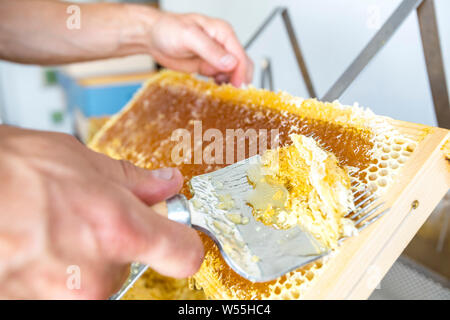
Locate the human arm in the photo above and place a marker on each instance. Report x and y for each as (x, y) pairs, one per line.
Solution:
(46, 32)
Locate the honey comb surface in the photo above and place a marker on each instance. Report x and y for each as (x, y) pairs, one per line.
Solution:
(142, 134)
(153, 286)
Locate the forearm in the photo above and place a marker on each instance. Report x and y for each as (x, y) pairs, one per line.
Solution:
(40, 32)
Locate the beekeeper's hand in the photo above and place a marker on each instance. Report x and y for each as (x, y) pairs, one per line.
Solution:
(55, 32)
(196, 43)
(71, 219)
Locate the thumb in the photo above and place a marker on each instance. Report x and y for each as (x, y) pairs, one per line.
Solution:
(150, 186)
(157, 185)
(128, 230)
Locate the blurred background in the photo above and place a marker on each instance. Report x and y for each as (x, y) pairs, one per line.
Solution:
(330, 35)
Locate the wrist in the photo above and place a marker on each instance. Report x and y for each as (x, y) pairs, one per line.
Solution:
(138, 32)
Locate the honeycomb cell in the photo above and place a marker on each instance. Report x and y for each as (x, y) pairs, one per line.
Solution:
(383, 164)
(382, 182)
(411, 147)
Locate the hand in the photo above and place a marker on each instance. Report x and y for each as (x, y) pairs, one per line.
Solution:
(63, 205)
(196, 43)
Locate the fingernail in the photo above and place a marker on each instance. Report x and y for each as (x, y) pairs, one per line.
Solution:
(228, 61)
(163, 173)
(222, 78)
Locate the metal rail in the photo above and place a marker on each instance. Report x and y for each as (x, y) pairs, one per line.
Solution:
(371, 49)
(294, 44)
(435, 65)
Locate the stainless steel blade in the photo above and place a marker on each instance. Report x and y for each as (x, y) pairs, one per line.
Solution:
(254, 250)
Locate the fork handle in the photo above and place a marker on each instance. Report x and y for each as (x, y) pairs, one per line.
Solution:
(175, 208)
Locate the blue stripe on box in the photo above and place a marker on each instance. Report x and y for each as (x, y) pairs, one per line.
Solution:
(98, 100)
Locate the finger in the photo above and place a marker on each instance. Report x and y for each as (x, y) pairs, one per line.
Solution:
(224, 34)
(196, 65)
(190, 65)
(158, 185)
(244, 69)
(128, 230)
(222, 78)
(206, 47)
(250, 69)
(170, 247)
(150, 186)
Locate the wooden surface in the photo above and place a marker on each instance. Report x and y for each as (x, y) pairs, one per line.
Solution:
(356, 270)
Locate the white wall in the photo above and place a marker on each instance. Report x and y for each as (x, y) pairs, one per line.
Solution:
(331, 34)
(27, 101)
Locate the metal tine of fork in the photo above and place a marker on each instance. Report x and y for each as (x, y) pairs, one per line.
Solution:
(369, 222)
(319, 142)
(365, 192)
(362, 210)
(342, 240)
(355, 192)
(369, 198)
(353, 174)
(323, 145)
(362, 195)
(369, 213)
(356, 200)
(356, 186)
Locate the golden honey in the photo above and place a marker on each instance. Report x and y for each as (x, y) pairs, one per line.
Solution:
(302, 184)
(154, 286)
